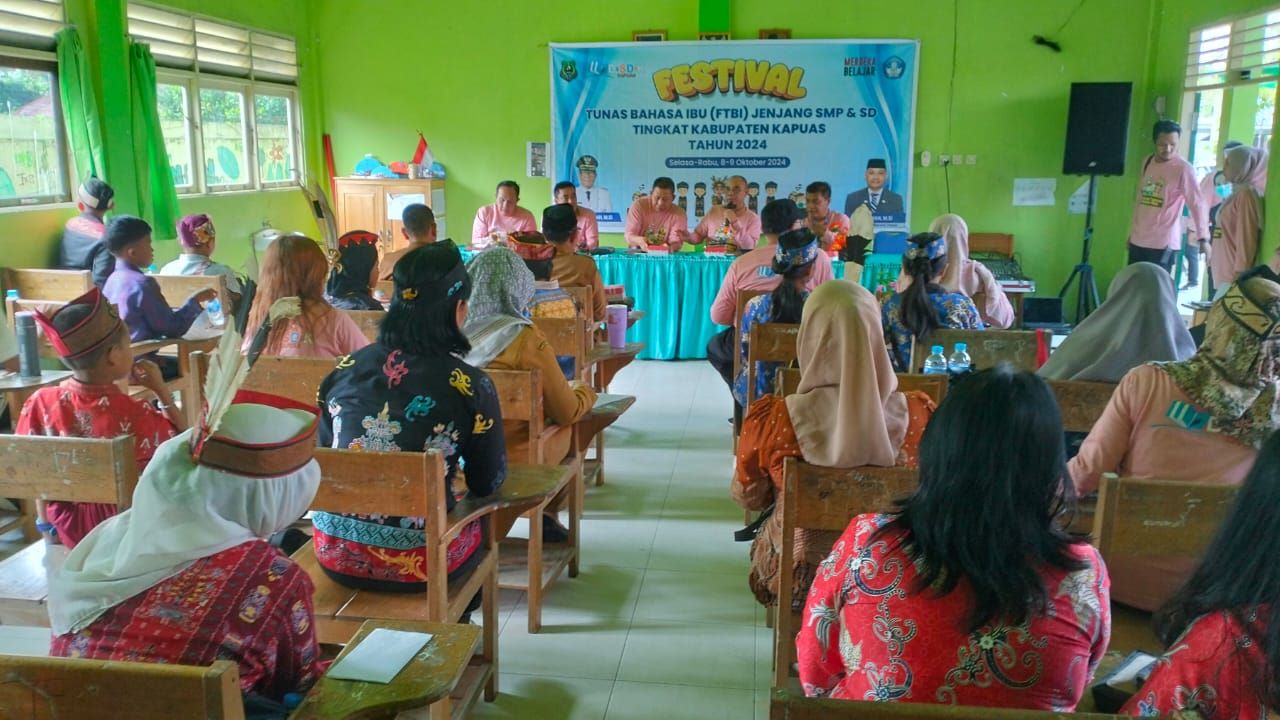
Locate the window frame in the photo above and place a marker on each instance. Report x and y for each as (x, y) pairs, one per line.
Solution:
(13, 57)
(196, 81)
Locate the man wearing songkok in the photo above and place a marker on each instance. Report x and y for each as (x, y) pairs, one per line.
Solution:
(588, 228)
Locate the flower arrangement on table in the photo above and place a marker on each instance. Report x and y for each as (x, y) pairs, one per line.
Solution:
(724, 241)
(655, 240)
(840, 239)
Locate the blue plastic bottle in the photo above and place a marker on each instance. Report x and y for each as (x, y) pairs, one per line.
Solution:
(959, 361)
(214, 308)
(936, 363)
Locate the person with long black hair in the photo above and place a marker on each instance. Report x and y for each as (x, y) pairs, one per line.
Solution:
(913, 312)
(1224, 643)
(793, 261)
(971, 592)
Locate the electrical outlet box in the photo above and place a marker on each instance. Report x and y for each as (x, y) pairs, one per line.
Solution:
(926, 158)
(944, 159)
(970, 159)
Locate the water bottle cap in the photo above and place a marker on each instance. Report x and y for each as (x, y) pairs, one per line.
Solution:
(214, 304)
(962, 347)
(936, 349)
(11, 294)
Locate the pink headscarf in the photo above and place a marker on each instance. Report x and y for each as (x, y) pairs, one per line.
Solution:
(847, 411)
(956, 232)
(195, 231)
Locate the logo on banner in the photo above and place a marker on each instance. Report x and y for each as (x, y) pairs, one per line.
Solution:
(613, 70)
(568, 70)
(894, 67)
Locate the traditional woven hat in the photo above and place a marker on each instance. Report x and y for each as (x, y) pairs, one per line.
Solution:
(96, 329)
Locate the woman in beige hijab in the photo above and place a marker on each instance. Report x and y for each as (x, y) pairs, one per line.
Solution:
(1237, 232)
(846, 413)
(970, 276)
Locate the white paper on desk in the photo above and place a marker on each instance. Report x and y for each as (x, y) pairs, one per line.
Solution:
(606, 399)
(204, 329)
(398, 202)
(380, 656)
(1034, 191)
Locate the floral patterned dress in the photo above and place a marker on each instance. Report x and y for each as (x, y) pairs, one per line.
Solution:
(758, 310)
(1213, 670)
(868, 636)
(955, 311)
(249, 604)
(386, 401)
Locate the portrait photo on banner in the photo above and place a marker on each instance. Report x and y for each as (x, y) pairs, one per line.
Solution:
(781, 115)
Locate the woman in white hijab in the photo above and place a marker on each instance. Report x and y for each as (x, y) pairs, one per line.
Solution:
(186, 575)
(971, 277)
(1139, 323)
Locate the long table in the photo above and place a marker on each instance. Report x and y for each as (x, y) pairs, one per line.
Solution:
(676, 292)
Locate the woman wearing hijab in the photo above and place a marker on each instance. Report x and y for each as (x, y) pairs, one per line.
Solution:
(354, 272)
(970, 592)
(1237, 233)
(186, 575)
(411, 391)
(1199, 420)
(847, 412)
(503, 337)
(971, 277)
(1138, 323)
(915, 311)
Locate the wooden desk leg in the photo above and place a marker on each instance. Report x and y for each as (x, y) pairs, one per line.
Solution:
(1017, 310)
(27, 510)
(490, 611)
(577, 488)
(535, 568)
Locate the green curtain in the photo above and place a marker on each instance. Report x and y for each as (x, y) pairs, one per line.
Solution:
(79, 105)
(157, 198)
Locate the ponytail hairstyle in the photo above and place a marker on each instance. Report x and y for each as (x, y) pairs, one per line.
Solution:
(923, 262)
(793, 262)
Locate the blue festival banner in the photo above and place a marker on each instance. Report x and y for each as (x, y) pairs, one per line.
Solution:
(781, 113)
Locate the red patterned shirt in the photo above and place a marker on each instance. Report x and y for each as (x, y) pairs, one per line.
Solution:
(249, 604)
(1214, 670)
(74, 409)
(867, 635)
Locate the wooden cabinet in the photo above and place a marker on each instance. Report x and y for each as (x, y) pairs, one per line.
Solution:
(374, 204)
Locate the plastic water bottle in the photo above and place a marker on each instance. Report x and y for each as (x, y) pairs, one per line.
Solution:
(214, 308)
(936, 363)
(958, 362)
(152, 269)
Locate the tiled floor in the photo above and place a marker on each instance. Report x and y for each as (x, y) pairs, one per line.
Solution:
(659, 623)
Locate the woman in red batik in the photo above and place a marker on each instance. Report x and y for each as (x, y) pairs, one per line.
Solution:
(1223, 661)
(971, 593)
(186, 575)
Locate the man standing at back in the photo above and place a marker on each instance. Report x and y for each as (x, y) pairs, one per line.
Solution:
(419, 229)
(754, 272)
(82, 247)
(1167, 184)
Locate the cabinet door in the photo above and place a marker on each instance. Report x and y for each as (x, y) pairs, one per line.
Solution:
(359, 207)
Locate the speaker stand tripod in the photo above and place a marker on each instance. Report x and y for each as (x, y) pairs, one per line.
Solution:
(1087, 290)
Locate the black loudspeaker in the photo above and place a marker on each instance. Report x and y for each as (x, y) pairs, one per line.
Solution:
(1097, 128)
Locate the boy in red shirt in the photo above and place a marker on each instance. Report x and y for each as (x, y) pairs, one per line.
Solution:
(94, 344)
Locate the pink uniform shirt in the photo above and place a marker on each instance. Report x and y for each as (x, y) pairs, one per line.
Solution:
(1162, 191)
(643, 217)
(489, 219)
(746, 228)
(838, 219)
(1145, 433)
(754, 271)
(588, 229)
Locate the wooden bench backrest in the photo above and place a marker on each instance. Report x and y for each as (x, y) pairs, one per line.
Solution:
(987, 348)
(820, 498)
(582, 297)
(177, 288)
(53, 687)
(295, 378)
(769, 342)
(386, 287)
(935, 386)
(991, 242)
(520, 400)
(569, 337)
(789, 705)
(369, 321)
(1081, 403)
(37, 284)
(1138, 517)
(68, 468)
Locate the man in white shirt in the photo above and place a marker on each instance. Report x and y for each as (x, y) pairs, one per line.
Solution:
(590, 196)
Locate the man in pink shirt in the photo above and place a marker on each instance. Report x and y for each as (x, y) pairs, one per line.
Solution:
(657, 218)
(494, 222)
(1168, 183)
(821, 219)
(731, 221)
(754, 272)
(588, 229)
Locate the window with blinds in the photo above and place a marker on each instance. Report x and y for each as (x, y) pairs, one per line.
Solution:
(31, 23)
(210, 46)
(1245, 50)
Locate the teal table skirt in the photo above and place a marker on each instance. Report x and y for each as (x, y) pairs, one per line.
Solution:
(676, 292)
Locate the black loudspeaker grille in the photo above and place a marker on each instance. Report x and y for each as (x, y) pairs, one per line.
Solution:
(1097, 128)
